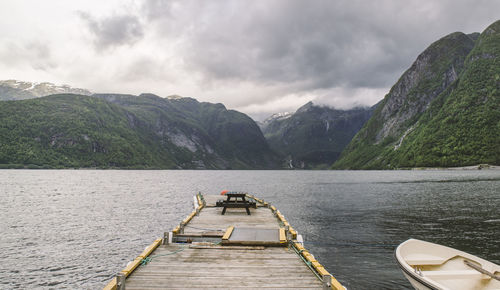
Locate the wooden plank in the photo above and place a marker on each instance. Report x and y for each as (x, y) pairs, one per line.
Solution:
(222, 282)
(282, 236)
(228, 233)
(226, 247)
(211, 219)
(263, 268)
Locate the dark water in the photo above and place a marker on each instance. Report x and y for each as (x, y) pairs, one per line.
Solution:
(77, 228)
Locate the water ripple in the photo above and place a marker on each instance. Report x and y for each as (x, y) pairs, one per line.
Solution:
(77, 228)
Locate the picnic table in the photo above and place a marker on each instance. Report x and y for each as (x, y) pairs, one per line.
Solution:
(236, 200)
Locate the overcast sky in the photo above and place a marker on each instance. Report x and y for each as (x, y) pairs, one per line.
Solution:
(255, 56)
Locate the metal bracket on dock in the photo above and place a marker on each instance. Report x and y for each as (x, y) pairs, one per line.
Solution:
(327, 282)
(300, 239)
(288, 234)
(166, 238)
(120, 281)
(203, 202)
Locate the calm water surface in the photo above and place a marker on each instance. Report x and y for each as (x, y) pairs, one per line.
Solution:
(77, 228)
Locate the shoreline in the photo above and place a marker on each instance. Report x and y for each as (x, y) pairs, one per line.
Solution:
(482, 166)
(472, 167)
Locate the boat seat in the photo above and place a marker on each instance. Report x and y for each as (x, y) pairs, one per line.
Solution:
(415, 260)
(453, 274)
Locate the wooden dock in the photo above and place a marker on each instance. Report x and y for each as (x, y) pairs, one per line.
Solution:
(234, 250)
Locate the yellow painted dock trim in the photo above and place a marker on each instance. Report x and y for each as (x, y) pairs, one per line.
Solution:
(185, 221)
(282, 236)
(134, 264)
(322, 271)
(336, 284)
(131, 266)
(309, 257)
(150, 248)
(189, 217)
(111, 285)
(317, 266)
(299, 247)
(228, 233)
(302, 251)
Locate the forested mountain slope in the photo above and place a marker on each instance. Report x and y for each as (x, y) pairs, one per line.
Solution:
(444, 111)
(128, 132)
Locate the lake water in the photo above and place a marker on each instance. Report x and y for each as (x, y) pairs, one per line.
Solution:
(77, 228)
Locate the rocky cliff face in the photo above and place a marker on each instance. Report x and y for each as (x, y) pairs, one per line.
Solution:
(313, 136)
(430, 87)
(432, 72)
(19, 90)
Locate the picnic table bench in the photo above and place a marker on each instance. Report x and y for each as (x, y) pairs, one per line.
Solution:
(236, 200)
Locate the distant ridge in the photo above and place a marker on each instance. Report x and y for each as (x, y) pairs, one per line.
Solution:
(314, 136)
(21, 90)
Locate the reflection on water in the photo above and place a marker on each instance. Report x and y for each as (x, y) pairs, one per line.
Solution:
(77, 228)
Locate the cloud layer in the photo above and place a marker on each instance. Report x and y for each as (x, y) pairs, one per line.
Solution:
(114, 30)
(258, 56)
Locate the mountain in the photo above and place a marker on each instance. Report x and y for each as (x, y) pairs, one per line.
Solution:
(313, 136)
(19, 90)
(444, 111)
(126, 131)
(274, 118)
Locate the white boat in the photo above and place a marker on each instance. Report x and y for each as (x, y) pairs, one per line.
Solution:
(432, 266)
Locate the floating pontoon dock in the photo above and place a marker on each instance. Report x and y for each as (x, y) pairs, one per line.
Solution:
(234, 250)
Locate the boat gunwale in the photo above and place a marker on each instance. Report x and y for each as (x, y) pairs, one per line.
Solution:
(412, 274)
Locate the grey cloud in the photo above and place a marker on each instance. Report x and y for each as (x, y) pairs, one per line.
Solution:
(41, 56)
(322, 43)
(143, 68)
(251, 54)
(114, 30)
(154, 9)
(35, 54)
